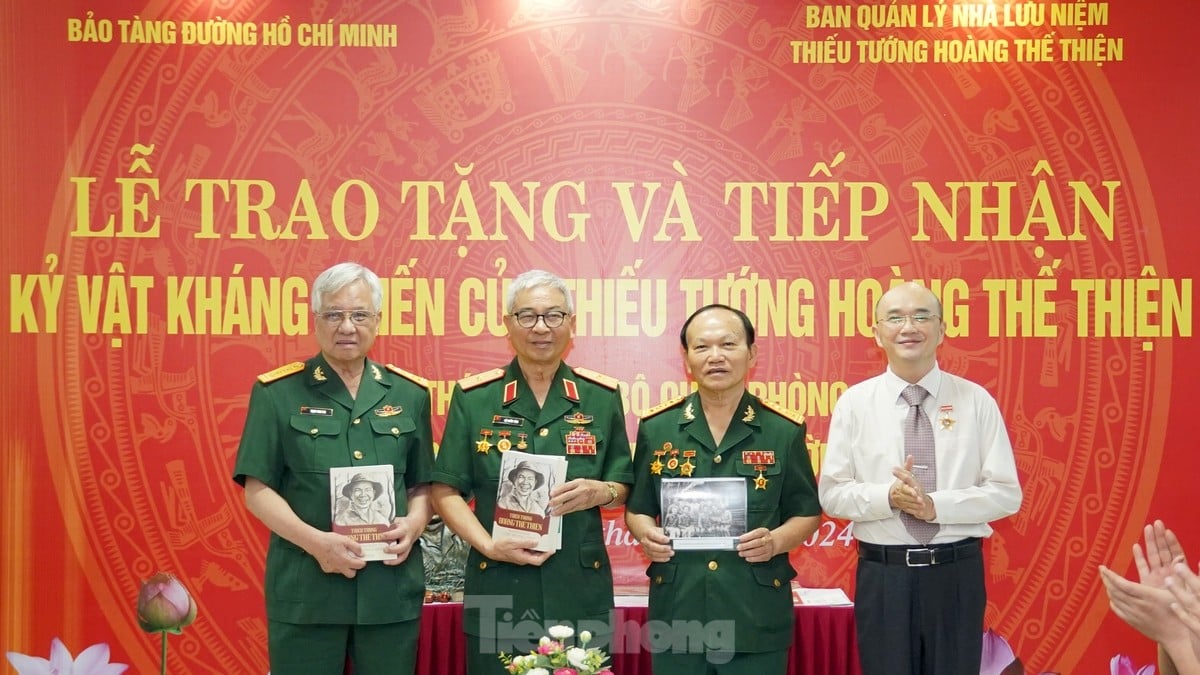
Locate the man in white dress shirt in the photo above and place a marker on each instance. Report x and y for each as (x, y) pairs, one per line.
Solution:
(919, 519)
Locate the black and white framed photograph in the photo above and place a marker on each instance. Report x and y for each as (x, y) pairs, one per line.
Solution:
(703, 513)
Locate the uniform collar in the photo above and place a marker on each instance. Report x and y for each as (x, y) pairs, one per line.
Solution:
(745, 421)
(371, 388)
(518, 398)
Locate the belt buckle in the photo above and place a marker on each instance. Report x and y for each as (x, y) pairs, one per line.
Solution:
(908, 557)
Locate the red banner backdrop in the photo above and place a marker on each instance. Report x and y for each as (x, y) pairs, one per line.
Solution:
(175, 174)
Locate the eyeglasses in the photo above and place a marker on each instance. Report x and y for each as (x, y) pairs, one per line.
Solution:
(335, 317)
(899, 320)
(529, 319)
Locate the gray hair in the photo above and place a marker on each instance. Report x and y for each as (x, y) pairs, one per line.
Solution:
(342, 275)
(536, 279)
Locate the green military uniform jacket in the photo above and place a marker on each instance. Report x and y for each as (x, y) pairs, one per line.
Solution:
(302, 422)
(496, 410)
(764, 447)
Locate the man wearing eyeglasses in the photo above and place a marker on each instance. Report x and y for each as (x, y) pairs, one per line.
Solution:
(920, 460)
(325, 604)
(536, 404)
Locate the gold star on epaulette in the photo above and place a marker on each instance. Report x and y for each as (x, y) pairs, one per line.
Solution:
(666, 405)
(281, 372)
(472, 381)
(411, 377)
(781, 411)
(599, 378)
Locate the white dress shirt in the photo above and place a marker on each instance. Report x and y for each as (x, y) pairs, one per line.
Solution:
(976, 473)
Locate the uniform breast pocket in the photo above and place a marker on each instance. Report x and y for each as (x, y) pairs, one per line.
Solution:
(393, 440)
(764, 486)
(585, 450)
(318, 443)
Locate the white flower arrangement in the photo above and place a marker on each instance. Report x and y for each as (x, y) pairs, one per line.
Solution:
(554, 657)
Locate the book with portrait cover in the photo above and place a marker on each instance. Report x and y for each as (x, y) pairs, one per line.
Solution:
(362, 501)
(703, 513)
(523, 498)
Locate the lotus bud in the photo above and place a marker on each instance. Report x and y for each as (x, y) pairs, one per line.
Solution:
(164, 605)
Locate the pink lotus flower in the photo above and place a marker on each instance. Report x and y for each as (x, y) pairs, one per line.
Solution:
(998, 657)
(91, 661)
(164, 605)
(1123, 665)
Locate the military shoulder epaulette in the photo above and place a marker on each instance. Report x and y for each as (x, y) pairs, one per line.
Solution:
(282, 371)
(472, 381)
(782, 412)
(666, 405)
(412, 377)
(598, 377)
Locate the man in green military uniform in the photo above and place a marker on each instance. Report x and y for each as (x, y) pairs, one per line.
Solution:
(741, 597)
(539, 405)
(338, 409)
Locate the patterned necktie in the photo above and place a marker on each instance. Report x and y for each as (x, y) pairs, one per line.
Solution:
(918, 442)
